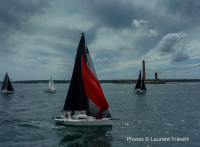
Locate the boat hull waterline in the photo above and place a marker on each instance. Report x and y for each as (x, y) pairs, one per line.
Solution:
(50, 91)
(7, 92)
(88, 121)
(138, 91)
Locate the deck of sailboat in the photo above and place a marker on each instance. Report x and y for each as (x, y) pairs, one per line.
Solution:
(50, 91)
(138, 91)
(7, 92)
(86, 121)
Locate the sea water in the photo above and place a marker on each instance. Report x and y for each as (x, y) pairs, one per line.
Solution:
(153, 119)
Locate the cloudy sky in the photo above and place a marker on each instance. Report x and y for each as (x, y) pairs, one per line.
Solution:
(39, 38)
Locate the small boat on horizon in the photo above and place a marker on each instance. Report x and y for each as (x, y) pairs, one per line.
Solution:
(140, 86)
(85, 94)
(51, 86)
(7, 86)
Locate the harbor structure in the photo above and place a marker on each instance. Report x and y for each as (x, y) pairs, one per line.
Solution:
(143, 63)
(156, 77)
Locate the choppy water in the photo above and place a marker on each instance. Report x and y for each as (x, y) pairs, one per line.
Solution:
(165, 111)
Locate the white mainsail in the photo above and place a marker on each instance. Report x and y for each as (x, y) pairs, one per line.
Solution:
(51, 84)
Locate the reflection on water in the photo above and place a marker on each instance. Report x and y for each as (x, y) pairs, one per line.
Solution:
(86, 136)
(70, 138)
(141, 103)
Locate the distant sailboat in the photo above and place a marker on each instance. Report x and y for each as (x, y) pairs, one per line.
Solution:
(7, 86)
(51, 86)
(85, 94)
(139, 88)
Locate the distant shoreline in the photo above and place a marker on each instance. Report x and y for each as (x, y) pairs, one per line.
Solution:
(114, 82)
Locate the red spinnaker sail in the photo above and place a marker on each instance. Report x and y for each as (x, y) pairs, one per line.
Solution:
(92, 87)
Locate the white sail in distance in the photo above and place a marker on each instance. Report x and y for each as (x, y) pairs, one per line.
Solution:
(51, 84)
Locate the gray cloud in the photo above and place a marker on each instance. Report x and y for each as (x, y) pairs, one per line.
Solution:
(151, 33)
(179, 56)
(187, 66)
(14, 13)
(167, 43)
(103, 60)
(138, 23)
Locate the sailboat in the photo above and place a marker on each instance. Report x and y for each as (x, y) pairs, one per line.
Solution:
(7, 86)
(140, 88)
(85, 94)
(51, 86)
